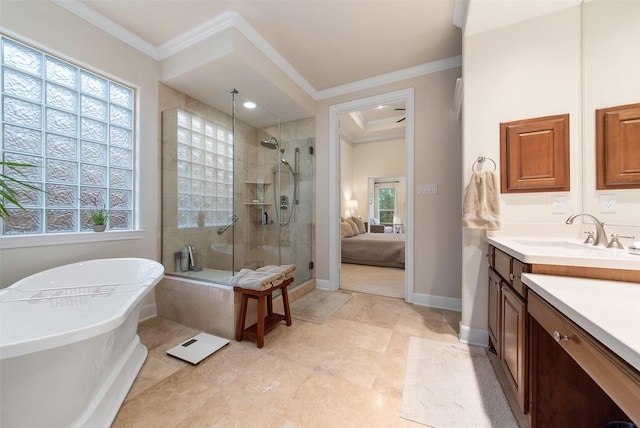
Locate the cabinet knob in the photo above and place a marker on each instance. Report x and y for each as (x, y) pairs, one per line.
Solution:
(512, 277)
(558, 337)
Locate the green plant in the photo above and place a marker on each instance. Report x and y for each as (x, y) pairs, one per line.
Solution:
(7, 184)
(99, 216)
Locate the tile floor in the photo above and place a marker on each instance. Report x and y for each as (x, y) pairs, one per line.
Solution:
(347, 372)
(381, 281)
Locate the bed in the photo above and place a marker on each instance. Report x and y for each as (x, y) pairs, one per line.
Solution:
(374, 249)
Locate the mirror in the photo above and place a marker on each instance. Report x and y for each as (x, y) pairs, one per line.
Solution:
(611, 66)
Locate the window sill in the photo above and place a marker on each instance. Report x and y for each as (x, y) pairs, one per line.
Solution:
(43, 240)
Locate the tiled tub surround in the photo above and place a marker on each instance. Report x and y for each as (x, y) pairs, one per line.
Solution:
(213, 308)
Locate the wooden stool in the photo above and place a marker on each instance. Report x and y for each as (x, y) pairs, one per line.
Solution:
(266, 322)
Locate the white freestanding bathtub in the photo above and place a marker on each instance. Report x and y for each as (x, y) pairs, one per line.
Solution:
(69, 349)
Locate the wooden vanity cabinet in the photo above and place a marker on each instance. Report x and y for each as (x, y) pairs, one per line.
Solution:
(575, 380)
(495, 298)
(515, 344)
(508, 321)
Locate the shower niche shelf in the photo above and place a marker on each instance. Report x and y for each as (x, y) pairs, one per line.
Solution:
(256, 193)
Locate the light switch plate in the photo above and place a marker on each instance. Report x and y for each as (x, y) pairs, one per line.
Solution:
(425, 189)
(608, 204)
(558, 204)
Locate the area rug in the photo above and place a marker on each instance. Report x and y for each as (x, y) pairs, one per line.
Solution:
(318, 306)
(452, 385)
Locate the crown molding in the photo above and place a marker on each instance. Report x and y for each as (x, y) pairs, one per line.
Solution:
(386, 137)
(395, 76)
(83, 11)
(201, 32)
(232, 19)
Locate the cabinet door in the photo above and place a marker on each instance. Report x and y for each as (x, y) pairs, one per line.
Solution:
(495, 297)
(517, 269)
(514, 343)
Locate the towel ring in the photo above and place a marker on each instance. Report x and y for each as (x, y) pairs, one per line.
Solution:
(481, 160)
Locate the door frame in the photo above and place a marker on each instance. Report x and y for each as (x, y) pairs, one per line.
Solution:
(335, 111)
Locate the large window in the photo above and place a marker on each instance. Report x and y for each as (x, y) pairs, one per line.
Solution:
(386, 204)
(76, 128)
(205, 172)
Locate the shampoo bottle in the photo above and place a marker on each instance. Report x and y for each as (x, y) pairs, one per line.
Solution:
(184, 259)
(265, 218)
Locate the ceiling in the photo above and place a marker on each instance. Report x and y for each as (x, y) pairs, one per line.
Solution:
(329, 42)
(288, 54)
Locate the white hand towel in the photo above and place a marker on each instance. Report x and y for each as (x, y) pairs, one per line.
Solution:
(289, 271)
(253, 280)
(481, 209)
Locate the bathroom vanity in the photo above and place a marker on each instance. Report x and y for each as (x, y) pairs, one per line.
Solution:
(563, 319)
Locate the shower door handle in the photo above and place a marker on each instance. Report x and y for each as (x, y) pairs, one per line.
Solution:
(224, 228)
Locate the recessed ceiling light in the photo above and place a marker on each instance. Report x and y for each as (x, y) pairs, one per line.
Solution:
(249, 104)
(380, 107)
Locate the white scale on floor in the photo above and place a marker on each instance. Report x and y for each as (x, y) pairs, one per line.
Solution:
(198, 348)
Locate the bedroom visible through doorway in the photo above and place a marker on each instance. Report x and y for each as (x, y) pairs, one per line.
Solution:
(373, 203)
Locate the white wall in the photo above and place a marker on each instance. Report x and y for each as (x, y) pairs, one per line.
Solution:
(346, 174)
(437, 160)
(526, 70)
(50, 28)
(375, 159)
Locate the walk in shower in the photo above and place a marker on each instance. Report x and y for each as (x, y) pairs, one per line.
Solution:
(236, 190)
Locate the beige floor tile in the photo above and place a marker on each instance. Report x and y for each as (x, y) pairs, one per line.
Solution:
(347, 372)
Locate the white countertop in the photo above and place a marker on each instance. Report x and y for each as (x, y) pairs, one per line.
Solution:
(607, 310)
(564, 251)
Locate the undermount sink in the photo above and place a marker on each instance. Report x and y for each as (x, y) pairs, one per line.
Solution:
(564, 251)
(558, 244)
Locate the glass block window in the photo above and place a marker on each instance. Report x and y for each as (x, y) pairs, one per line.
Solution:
(205, 172)
(76, 128)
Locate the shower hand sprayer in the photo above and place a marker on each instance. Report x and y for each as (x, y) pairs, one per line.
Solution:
(273, 144)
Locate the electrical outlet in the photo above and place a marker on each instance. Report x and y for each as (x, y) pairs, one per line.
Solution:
(608, 204)
(558, 204)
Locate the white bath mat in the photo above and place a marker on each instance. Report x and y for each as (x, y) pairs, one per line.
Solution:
(318, 306)
(452, 385)
(198, 348)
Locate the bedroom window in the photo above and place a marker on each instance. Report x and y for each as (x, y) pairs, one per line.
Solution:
(386, 204)
(76, 128)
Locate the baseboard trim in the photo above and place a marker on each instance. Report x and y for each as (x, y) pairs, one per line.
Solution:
(473, 336)
(324, 284)
(440, 302)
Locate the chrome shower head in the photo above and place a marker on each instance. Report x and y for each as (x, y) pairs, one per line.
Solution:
(284, 161)
(271, 143)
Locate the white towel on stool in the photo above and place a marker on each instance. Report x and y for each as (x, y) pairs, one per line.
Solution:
(481, 209)
(254, 280)
(289, 271)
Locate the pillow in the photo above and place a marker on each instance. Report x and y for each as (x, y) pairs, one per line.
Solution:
(374, 220)
(345, 230)
(360, 224)
(353, 225)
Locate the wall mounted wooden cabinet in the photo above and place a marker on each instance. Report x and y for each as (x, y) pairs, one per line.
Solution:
(534, 155)
(618, 147)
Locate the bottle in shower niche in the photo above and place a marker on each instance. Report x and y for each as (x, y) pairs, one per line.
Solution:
(184, 259)
(265, 218)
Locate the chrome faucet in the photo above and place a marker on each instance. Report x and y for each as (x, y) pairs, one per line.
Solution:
(601, 236)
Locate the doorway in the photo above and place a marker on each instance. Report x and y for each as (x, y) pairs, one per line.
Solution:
(338, 202)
